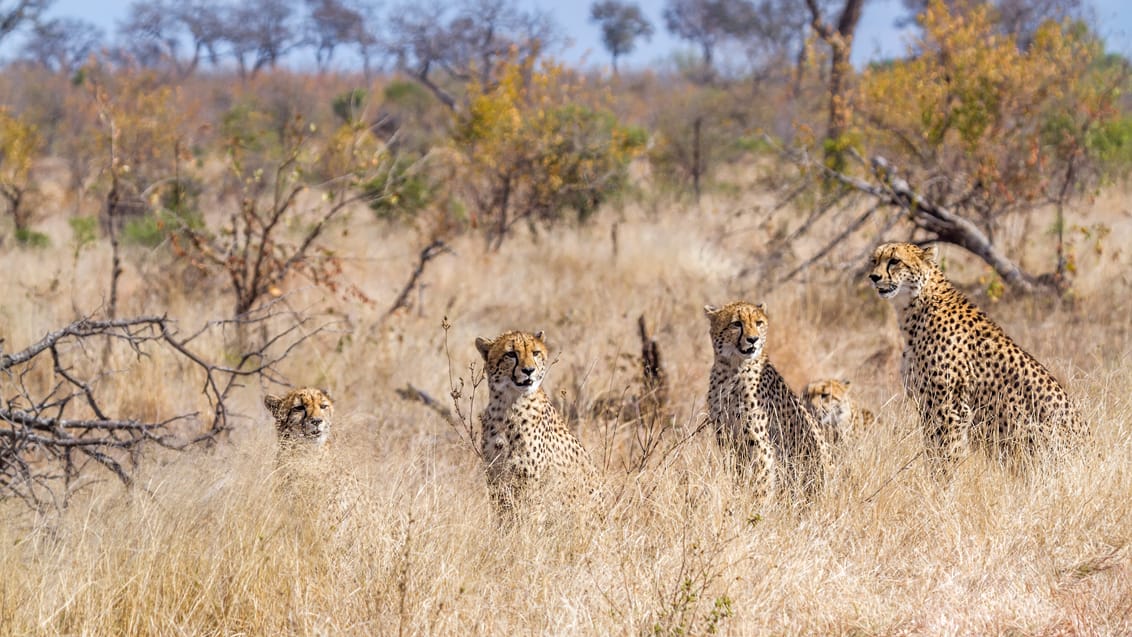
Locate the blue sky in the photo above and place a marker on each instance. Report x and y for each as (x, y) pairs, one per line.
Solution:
(877, 36)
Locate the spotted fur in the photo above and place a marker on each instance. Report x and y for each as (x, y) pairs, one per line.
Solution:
(972, 383)
(302, 416)
(838, 413)
(758, 420)
(526, 444)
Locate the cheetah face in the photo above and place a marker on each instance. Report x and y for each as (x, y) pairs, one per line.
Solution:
(302, 415)
(828, 400)
(515, 361)
(737, 329)
(900, 267)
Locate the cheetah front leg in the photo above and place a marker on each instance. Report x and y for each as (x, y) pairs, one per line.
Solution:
(759, 459)
(947, 426)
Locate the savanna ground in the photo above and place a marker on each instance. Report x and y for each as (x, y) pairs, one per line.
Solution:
(207, 543)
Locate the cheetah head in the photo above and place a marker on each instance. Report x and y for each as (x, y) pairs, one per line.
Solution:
(828, 400)
(900, 267)
(514, 361)
(301, 415)
(737, 329)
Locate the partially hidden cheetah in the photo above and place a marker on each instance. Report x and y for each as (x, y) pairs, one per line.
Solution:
(310, 481)
(759, 421)
(838, 413)
(302, 417)
(972, 384)
(526, 444)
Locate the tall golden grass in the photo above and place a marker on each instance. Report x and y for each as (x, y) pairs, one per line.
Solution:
(392, 531)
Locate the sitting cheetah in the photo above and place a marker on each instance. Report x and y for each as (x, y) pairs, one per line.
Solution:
(971, 382)
(310, 481)
(526, 445)
(302, 416)
(758, 420)
(830, 403)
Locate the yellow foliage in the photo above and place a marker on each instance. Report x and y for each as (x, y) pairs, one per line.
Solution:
(539, 142)
(20, 145)
(996, 120)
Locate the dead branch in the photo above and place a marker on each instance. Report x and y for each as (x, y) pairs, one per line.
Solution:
(654, 382)
(853, 227)
(430, 252)
(413, 394)
(58, 417)
(943, 224)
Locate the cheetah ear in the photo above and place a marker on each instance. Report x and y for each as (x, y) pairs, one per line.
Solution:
(325, 392)
(846, 383)
(541, 335)
(762, 307)
(484, 346)
(931, 254)
(710, 311)
(271, 401)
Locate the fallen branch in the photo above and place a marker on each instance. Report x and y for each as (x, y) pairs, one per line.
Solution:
(54, 426)
(943, 224)
(412, 394)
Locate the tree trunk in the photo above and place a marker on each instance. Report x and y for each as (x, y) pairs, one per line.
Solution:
(840, 42)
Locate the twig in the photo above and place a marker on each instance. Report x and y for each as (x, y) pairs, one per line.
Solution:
(430, 252)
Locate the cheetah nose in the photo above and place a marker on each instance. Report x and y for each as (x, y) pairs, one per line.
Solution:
(874, 277)
(528, 370)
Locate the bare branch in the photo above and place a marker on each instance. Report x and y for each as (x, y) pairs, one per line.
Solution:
(430, 252)
(52, 430)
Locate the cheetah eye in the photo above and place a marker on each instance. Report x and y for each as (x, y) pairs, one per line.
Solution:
(324, 406)
(893, 261)
(736, 323)
(512, 354)
(537, 354)
(760, 323)
(298, 408)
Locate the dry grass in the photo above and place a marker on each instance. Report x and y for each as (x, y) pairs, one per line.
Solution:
(400, 538)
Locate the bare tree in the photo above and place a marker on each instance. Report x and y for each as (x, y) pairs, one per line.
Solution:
(335, 23)
(59, 421)
(173, 33)
(707, 24)
(774, 38)
(204, 24)
(272, 231)
(16, 13)
(437, 44)
(621, 24)
(260, 33)
(150, 33)
(62, 45)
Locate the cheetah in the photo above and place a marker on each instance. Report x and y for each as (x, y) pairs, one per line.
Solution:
(758, 420)
(310, 481)
(526, 445)
(973, 385)
(302, 417)
(840, 416)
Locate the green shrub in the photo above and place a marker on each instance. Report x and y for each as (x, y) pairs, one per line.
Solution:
(32, 239)
(401, 192)
(348, 106)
